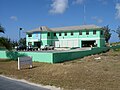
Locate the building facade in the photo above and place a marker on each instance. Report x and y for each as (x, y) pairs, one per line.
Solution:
(72, 36)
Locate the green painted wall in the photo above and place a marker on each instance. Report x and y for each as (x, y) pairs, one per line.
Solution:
(50, 40)
(37, 56)
(61, 57)
(98, 37)
(43, 38)
(54, 57)
(40, 56)
(3, 54)
(102, 42)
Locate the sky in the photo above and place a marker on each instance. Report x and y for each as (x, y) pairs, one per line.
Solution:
(31, 14)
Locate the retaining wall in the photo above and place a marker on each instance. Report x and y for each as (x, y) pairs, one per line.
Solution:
(54, 57)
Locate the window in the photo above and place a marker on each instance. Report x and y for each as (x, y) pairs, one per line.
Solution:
(54, 34)
(87, 32)
(80, 33)
(36, 35)
(59, 34)
(65, 33)
(30, 43)
(94, 32)
(48, 33)
(101, 32)
(29, 35)
(71, 33)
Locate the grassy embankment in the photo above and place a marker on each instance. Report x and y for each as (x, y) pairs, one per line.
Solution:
(82, 74)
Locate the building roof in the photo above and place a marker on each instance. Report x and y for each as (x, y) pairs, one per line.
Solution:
(40, 29)
(64, 29)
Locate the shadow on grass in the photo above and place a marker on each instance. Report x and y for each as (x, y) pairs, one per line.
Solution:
(27, 67)
(13, 55)
(5, 60)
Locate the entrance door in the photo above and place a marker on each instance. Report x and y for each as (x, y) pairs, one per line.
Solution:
(90, 43)
(37, 44)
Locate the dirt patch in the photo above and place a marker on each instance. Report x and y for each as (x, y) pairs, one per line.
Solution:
(87, 73)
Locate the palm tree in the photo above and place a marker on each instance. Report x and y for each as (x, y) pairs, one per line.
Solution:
(4, 41)
(2, 29)
(107, 33)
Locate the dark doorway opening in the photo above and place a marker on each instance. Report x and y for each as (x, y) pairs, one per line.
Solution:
(37, 44)
(91, 43)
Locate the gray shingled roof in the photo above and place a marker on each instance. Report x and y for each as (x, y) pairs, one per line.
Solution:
(63, 29)
(40, 29)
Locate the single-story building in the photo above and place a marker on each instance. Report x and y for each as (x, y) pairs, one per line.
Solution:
(71, 36)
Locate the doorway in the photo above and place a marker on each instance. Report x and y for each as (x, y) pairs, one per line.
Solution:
(37, 44)
(91, 43)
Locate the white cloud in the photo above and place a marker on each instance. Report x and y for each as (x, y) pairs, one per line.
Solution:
(104, 2)
(117, 7)
(58, 6)
(78, 1)
(97, 19)
(14, 18)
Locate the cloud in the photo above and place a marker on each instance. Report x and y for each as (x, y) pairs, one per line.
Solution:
(14, 18)
(58, 6)
(117, 7)
(98, 20)
(104, 2)
(78, 1)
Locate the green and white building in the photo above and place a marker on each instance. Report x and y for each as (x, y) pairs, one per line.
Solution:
(71, 36)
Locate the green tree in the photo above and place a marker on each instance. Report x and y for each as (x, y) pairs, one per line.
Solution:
(4, 42)
(22, 41)
(107, 33)
(2, 30)
(14, 43)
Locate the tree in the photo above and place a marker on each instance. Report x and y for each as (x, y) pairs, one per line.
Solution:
(4, 42)
(2, 29)
(14, 43)
(107, 33)
(22, 41)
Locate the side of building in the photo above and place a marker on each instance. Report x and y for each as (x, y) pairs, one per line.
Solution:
(73, 36)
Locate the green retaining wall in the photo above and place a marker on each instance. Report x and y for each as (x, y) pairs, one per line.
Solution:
(54, 57)
(65, 56)
(37, 56)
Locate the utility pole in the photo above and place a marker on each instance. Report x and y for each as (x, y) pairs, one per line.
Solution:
(84, 21)
(20, 34)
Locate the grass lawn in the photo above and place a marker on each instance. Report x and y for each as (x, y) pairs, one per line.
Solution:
(82, 74)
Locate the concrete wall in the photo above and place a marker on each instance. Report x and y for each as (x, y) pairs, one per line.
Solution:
(52, 57)
(39, 57)
(61, 57)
